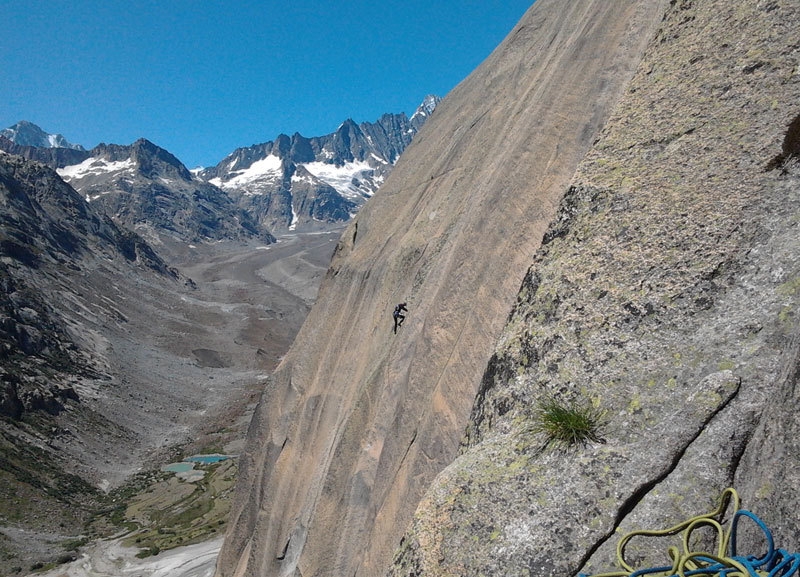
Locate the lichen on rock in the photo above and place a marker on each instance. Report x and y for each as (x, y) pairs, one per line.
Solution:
(660, 294)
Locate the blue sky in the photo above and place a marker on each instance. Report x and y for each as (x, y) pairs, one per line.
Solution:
(203, 77)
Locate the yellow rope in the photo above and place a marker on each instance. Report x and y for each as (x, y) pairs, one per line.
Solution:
(688, 560)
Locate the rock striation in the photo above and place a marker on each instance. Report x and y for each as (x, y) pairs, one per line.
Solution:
(665, 295)
(357, 422)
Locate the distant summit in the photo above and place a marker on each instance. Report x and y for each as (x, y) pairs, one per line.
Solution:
(296, 182)
(27, 133)
(425, 110)
(145, 188)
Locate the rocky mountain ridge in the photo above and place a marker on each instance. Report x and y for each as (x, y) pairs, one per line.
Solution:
(147, 189)
(46, 228)
(25, 133)
(54, 157)
(290, 184)
(296, 181)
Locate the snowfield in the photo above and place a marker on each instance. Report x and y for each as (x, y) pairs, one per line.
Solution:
(93, 166)
(269, 167)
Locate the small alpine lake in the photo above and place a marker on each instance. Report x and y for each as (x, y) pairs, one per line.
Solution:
(185, 469)
(207, 459)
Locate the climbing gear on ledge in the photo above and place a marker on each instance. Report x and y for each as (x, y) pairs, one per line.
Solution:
(725, 562)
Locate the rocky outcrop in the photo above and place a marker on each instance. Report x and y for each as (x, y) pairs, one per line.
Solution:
(357, 422)
(665, 296)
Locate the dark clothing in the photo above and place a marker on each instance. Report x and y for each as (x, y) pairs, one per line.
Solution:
(398, 315)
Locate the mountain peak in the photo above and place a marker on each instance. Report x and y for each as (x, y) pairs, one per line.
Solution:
(348, 124)
(299, 181)
(429, 104)
(26, 133)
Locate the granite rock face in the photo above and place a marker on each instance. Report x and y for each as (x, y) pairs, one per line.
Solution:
(665, 294)
(357, 421)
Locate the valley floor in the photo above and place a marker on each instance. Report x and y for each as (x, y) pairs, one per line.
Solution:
(187, 369)
(113, 559)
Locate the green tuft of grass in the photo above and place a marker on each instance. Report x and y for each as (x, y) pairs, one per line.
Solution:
(567, 424)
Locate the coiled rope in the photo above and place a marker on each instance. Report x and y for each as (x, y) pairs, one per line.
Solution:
(724, 562)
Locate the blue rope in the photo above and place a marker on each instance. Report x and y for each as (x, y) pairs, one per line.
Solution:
(761, 525)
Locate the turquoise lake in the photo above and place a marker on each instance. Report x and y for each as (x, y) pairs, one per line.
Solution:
(189, 462)
(178, 467)
(207, 459)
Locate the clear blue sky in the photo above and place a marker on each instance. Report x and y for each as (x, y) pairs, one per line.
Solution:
(203, 77)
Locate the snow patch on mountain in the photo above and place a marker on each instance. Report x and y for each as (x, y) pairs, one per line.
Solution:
(94, 166)
(266, 167)
(324, 178)
(343, 178)
(93, 197)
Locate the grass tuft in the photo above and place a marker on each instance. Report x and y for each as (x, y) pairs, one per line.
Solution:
(567, 424)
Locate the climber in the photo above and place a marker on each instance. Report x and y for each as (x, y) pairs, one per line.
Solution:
(398, 315)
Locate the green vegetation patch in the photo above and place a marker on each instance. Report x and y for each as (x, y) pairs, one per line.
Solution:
(567, 424)
(172, 512)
